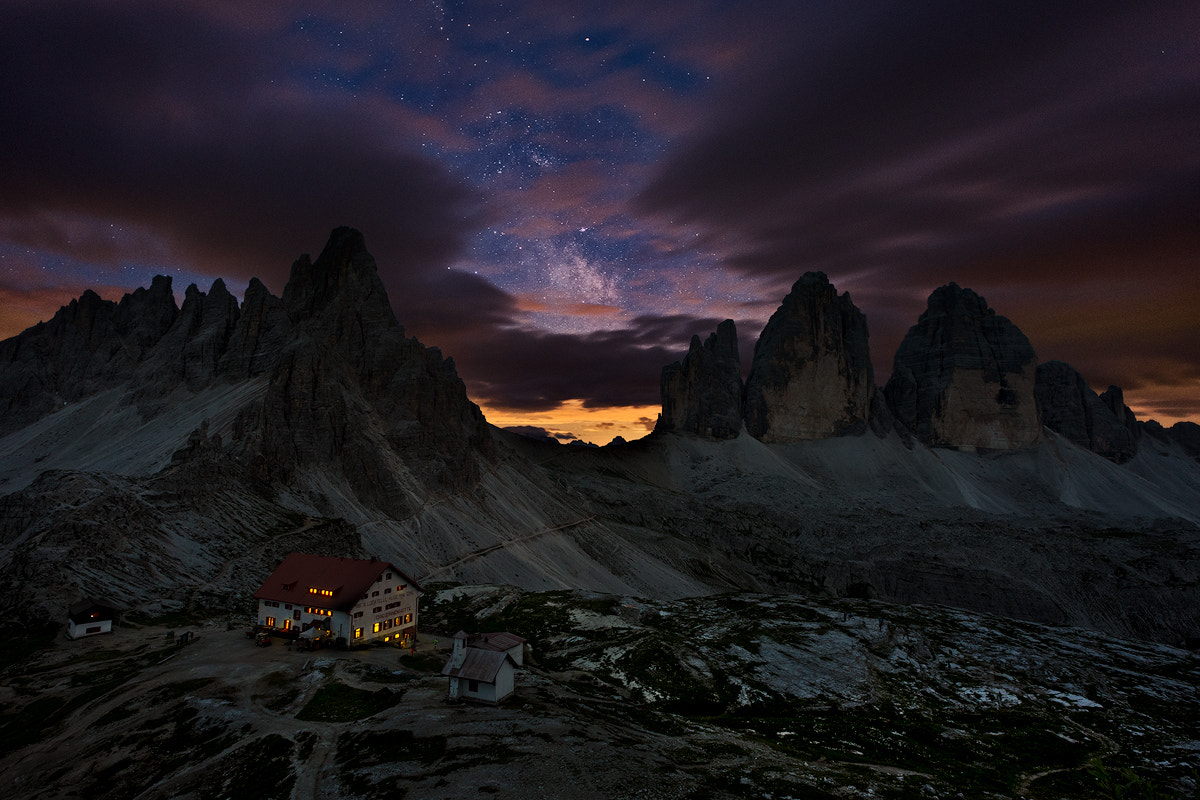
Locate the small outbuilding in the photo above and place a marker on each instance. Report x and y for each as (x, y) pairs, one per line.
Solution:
(89, 618)
(501, 642)
(479, 675)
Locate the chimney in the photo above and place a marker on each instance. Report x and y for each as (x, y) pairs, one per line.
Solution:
(460, 649)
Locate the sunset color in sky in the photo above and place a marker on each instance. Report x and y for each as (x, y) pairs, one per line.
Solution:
(560, 194)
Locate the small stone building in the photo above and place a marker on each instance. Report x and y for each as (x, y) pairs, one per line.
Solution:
(89, 618)
(357, 599)
(479, 675)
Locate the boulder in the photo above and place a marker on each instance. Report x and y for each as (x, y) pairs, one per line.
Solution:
(811, 377)
(703, 393)
(964, 377)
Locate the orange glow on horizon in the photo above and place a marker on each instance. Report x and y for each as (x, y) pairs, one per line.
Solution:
(595, 425)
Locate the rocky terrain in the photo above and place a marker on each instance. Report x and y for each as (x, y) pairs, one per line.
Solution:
(730, 696)
(964, 377)
(163, 458)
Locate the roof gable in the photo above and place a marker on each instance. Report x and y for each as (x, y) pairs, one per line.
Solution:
(502, 640)
(478, 665)
(328, 582)
(89, 610)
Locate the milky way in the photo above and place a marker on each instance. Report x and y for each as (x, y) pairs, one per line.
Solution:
(560, 195)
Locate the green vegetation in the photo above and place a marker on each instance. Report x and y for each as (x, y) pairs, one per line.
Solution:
(337, 702)
(535, 616)
(260, 770)
(33, 640)
(371, 748)
(30, 723)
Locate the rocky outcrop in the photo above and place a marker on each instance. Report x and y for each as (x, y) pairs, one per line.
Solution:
(964, 376)
(1069, 407)
(1114, 398)
(350, 391)
(259, 336)
(347, 390)
(90, 345)
(811, 377)
(191, 350)
(703, 393)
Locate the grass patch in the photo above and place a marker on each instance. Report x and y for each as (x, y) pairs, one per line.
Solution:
(337, 702)
(19, 648)
(372, 748)
(260, 770)
(28, 725)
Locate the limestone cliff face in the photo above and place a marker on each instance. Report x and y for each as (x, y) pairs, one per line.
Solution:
(351, 392)
(1114, 398)
(347, 390)
(964, 376)
(1069, 407)
(90, 345)
(259, 335)
(703, 393)
(190, 351)
(811, 377)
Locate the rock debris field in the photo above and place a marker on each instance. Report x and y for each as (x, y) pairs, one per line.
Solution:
(731, 696)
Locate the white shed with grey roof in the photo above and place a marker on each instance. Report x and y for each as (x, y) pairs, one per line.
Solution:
(483, 676)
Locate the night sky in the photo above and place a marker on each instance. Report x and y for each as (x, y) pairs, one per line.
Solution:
(560, 194)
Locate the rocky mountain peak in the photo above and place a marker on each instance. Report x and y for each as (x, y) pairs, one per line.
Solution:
(146, 314)
(703, 393)
(964, 376)
(811, 377)
(1069, 407)
(343, 275)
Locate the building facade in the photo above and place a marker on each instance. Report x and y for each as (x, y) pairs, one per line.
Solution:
(89, 618)
(478, 674)
(360, 600)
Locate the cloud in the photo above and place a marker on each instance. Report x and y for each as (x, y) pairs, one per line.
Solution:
(1023, 150)
(159, 118)
(533, 370)
(535, 432)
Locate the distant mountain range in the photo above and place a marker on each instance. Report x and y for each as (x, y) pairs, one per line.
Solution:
(165, 457)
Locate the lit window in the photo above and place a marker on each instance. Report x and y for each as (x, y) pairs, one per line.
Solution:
(358, 633)
(376, 628)
(407, 618)
(270, 622)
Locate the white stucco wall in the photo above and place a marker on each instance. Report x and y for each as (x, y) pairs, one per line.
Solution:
(490, 692)
(86, 628)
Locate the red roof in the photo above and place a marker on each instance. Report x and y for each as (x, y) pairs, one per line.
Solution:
(347, 580)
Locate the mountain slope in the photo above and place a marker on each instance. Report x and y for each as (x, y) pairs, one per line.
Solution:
(285, 417)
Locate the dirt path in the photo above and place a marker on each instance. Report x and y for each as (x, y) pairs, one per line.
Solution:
(1108, 747)
(433, 575)
(223, 572)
